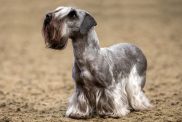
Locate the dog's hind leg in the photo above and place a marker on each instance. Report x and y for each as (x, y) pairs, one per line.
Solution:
(134, 89)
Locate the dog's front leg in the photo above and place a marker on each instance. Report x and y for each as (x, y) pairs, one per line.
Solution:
(79, 106)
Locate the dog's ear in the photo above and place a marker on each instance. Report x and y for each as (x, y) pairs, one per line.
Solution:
(87, 24)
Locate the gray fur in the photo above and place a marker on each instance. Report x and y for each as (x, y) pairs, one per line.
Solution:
(108, 81)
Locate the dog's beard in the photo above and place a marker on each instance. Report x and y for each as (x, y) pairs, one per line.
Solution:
(52, 32)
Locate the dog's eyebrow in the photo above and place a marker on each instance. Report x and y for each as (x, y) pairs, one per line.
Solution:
(57, 10)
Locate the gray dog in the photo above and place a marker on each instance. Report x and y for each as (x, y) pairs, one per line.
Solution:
(108, 81)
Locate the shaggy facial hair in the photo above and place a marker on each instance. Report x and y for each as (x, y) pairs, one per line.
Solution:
(52, 32)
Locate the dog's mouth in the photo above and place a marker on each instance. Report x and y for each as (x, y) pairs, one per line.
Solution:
(52, 33)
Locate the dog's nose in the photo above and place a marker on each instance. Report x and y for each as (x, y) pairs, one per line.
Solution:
(48, 18)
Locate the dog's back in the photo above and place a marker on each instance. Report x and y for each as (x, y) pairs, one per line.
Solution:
(123, 57)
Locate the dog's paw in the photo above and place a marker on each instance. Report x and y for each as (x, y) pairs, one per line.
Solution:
(114, 114)
(76, 115)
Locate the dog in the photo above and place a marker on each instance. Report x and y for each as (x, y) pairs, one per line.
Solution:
(109, 81)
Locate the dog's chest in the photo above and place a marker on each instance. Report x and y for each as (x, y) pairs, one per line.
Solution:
(86, 75)
(86, 66)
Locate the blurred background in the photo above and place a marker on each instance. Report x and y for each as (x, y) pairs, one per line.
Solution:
(35, 82)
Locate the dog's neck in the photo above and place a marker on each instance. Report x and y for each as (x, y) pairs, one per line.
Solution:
(86, 47)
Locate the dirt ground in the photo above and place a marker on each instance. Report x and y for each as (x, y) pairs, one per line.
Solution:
(35, 82)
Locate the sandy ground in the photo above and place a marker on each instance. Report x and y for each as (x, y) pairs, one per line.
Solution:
(35, 82)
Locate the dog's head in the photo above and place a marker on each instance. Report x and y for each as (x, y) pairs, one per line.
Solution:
(64, 23)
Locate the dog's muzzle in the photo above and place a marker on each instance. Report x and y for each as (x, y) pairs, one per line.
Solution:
(52, 33)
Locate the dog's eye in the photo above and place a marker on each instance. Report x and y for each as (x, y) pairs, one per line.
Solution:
(72, 14)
